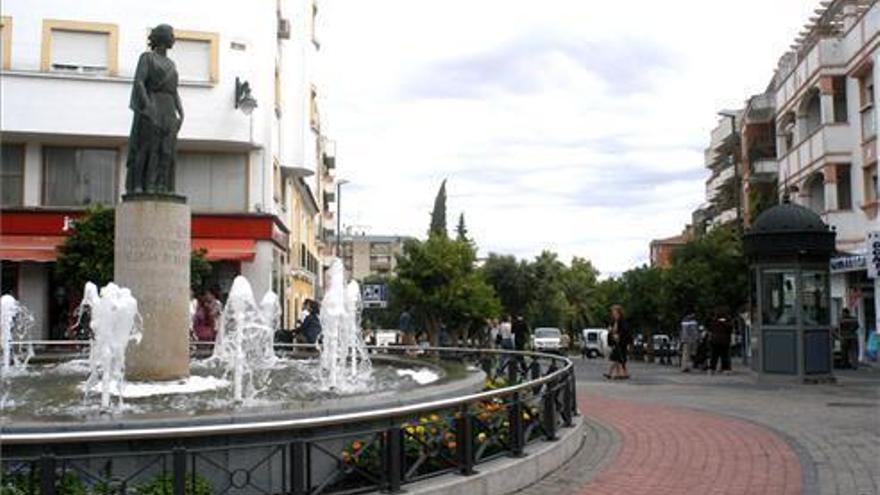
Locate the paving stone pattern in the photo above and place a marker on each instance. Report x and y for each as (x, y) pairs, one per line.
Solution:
(819, 439)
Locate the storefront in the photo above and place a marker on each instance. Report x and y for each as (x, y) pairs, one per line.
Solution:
(249, 244)
(851, 288)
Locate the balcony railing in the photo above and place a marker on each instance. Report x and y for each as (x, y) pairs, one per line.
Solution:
(828, 139)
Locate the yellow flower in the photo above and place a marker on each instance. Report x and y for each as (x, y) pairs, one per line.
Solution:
(420, 429)
(423, 420)
(435, 418)
(481, 437)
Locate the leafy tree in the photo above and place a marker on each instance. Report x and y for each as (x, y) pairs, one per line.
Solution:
(438, 214)
(87, 255)
(579, 286)
(511, 280)
(438, 280)
(549, 306)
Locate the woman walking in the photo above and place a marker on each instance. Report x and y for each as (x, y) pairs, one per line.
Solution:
(619, 338)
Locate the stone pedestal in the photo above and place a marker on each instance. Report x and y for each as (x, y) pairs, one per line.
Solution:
(152, 258)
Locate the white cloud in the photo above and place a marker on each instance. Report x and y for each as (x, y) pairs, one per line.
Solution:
(572, 126)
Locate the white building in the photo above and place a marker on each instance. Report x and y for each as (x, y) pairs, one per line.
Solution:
(721, 158)
(826, 134)
(65, 85)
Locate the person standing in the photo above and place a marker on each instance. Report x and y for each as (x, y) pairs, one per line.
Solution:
(689, 335)
(619, 338)
(849, 348)
(720, 330)
(521, 332)
(406, 327)
(505, 331)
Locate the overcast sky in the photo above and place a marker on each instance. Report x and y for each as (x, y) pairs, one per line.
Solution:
(571, 125)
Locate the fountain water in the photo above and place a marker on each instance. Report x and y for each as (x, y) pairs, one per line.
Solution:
(15, 325)
(244, 343)
(343, 355)
(114, 323)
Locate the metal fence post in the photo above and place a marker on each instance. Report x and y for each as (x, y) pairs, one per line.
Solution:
(47, 474)
(550, 411)
(464, 430)
(572, 382)
(178, 466)
(394, 458)
(512, 375)
(299, 467)
(516, 432)
(567, 400)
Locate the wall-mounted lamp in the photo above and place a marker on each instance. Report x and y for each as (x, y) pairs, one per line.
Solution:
(243, 98)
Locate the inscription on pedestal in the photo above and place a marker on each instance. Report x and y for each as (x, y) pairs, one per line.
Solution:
(153, 260)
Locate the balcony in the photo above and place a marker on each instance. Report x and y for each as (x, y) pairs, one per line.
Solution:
(764, 169)
(716, 181)
(761, 109)
(828, 52)
(829, 140)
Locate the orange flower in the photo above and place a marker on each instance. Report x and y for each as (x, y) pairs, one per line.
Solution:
(357, 445)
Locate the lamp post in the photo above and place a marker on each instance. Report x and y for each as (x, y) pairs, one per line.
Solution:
(339, 185)
(736, 177)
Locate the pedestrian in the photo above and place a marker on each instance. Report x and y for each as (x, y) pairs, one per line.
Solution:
(720, 330)
(310, 328)
(505, 331)
(406, 327)
(619, 337)
(521, 332)
(689, 335)
(204, 326)
(849, 349)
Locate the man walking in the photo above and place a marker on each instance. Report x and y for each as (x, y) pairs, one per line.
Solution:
(689, 335)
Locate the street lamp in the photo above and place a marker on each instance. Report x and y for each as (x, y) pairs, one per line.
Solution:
(244, 100)
(736, 178)
(339, 185)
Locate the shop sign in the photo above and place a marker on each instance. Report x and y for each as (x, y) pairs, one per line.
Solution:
(852, 263)
(374, 295)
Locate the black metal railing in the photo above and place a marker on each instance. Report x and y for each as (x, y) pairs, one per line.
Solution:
(529, 397)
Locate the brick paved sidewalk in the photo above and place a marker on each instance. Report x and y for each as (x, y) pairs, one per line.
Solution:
(670, 450)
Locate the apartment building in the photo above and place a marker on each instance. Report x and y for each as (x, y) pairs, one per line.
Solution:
(723, 204)
(370, 255)
(826, 138)
(250, 152)
(662, 250)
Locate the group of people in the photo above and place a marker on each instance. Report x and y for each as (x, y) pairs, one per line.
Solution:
(207, 313)
(510, 333)
(712, 344)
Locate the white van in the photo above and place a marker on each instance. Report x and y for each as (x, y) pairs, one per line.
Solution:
(595, 342)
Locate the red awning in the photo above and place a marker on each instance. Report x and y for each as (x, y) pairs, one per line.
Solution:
(29, 247)
(227, 249)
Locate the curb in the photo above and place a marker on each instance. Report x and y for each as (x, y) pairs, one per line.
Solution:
(508, 475)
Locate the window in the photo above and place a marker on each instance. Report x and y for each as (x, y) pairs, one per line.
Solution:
(778, 297)
(79, 176)
(844, 187)
(5, 42)
(840, 110)
(871, 191)
(80, 47)
(11, 174)
(869, 126)
(814, 299)
(196, 55)
(213, 181)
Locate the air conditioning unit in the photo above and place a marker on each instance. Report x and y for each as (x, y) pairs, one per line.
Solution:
(283, 29)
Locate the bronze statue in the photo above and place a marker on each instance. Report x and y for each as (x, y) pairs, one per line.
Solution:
(158, 115)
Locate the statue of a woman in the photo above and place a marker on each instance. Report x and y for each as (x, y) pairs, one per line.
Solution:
(158, 115)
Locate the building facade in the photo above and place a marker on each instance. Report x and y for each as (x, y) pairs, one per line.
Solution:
(371, 255)
(826, 139)
(662, 249)
(253, 176)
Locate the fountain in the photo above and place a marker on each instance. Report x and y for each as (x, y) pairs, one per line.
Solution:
(244, 343)
(15, 326)
(114, 323)
(343, 355)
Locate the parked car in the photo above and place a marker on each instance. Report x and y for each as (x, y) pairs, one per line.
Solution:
(595, 342)
(547, 339)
